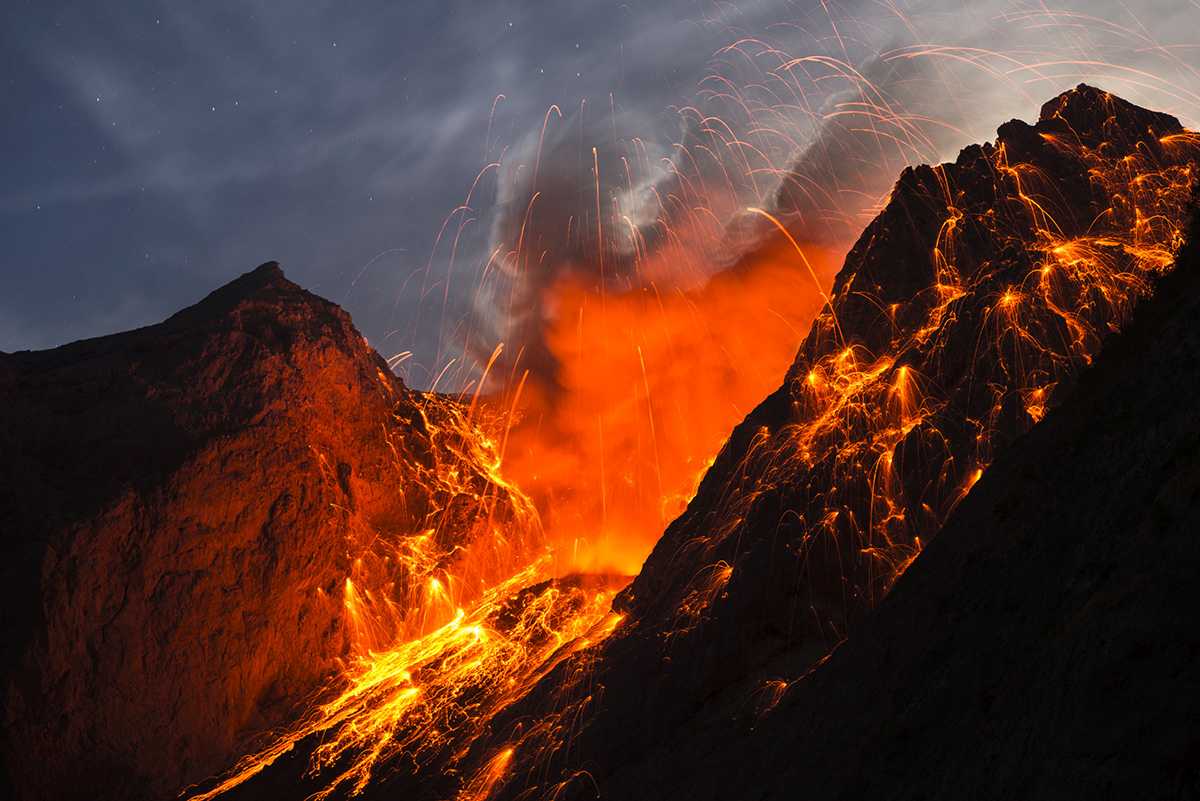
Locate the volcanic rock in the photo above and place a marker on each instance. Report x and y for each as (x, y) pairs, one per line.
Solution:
(200, 519)
(1043, 646)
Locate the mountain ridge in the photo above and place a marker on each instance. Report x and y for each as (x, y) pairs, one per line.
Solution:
(182, 506)
(1041, 645)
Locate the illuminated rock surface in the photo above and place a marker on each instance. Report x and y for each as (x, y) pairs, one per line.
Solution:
(1043, 646)
(181, 506)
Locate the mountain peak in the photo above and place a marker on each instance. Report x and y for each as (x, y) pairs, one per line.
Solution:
(1093, 113)
(1083, 96)
(269, 307)
(266, 276)
(193, 498)
(269, 273)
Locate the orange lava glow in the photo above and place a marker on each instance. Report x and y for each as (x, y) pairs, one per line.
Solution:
(438, 690)
(652, 382)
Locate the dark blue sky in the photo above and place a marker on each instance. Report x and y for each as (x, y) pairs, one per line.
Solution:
(153, 151)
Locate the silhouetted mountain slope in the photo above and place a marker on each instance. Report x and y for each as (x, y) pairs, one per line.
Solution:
(1043, 646)
(180, 508)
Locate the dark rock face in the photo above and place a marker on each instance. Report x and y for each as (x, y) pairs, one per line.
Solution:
(190, 512)
(962, 316)
(1043, 646)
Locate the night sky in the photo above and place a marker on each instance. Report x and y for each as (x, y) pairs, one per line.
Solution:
(154, 151)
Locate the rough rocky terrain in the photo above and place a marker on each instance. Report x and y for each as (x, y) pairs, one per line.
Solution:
(181, 508)
(1043, 646)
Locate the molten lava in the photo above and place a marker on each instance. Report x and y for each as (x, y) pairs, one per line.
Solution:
(651, 382)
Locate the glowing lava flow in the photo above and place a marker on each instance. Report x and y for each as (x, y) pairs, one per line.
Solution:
(436, 691)
(477, 530)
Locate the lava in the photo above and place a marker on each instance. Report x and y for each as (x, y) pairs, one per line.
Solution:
(426, 697)
(862, 407)
(651, 382)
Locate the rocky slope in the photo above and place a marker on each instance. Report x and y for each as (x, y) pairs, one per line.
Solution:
(201, 518)
(961, 318)
(1043, 646)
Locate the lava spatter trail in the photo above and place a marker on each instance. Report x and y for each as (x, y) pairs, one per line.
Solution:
(423, 699)
(930, 356)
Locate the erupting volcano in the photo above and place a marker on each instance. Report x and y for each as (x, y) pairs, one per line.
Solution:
(725, 500)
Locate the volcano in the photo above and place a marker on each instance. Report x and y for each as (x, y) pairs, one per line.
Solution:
(950, 556)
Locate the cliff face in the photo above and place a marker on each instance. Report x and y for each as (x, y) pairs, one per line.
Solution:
(201, 517)
(1043, 646)
(961, 318)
